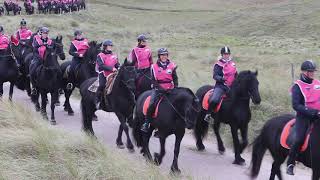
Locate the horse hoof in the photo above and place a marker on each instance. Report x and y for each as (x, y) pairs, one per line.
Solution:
(175, 171)
(70, 113)
(156, 159)
(240, 162)
(120, 146)
(57, 104)
(131, 150)
(222, 150)
(53, 122)
(95, 119)
(201, 147)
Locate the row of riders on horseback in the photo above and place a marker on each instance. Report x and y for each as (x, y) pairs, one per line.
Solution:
(146, 95)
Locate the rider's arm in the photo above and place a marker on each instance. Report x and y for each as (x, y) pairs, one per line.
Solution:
(217, 73)
(133, 57)
(298, 103)
(73, 51)
(175, 77)
(102, 66)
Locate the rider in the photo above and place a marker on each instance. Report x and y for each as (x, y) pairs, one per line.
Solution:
(164, 78)
(40, 43)
(78, 48)
(141, 56)
(4, 40)
(23, 32)
(224, 73)
(305, 101)
(107, 62)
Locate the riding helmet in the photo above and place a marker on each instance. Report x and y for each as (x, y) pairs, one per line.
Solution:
(77, 32)
(142, 37)
(308, 65)
(23, 22)
(225, 50)
(107, 42)
(163, 51)
(44, 30)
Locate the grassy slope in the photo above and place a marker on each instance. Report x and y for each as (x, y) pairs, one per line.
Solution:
(32, 149)
(263, 35)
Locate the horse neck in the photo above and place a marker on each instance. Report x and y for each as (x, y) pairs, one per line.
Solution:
(119, 88)
(237, 94)
(179, 100)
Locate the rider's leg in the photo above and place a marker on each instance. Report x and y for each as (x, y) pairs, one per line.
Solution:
(214, 100)
(99, 93)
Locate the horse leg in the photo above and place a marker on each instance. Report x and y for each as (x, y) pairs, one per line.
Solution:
(316, 174)
(54, 96)
(236, 145)
(216, 128)
(28, 87)
(200, 124)
(1, 90)
(129, 142)
(44, 105)
(158, 156)
(67, 106)
(244, 136)
(174, 167)
(145, 146)
(11, 91)
(119, 138)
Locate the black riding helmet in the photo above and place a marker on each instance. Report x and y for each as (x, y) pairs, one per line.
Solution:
(44, 30)
(23, 22)
(77, 32)
(163, 51)
(308, 65)
(225, 50)
(142, 37)
(107, 42)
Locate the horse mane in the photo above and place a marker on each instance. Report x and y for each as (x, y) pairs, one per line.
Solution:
(243, 76)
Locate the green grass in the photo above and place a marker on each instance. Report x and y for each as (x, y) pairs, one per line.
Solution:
(32, 149)
(263, 35)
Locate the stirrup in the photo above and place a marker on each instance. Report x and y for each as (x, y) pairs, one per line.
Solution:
(34, 91)
(208, 118)
(69, 86)
(290, 169)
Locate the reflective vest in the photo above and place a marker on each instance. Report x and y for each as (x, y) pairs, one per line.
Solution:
(229, 71)
(143, 55)
(109, 60)
(164, 76)
(311, 93)
(24, 34)
(4, 42)
(81, 46)
(42, 48)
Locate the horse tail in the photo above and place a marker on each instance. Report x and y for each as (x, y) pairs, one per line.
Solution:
(201, 127)
(85, 118)
(258, 151)
(136, 124)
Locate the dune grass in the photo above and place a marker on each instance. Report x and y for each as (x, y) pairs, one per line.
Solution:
(32, 149)
(267, 36)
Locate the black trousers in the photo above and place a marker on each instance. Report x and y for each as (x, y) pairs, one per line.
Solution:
(301, 127)
(155, 97)
(215, 98)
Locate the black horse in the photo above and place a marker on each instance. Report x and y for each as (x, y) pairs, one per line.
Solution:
(23, 53)
(1, 11)
(48, 78)
(269, 138)
(83, 72)
(234, 111)
(121, 101)
(177, 111)
(143, 82)
(15, 8)
(28, 8)
(8, 70)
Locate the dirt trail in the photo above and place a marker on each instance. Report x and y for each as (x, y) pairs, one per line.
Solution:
(201, 165)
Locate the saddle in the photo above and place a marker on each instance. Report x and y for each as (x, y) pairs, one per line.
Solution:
(205, 101)
(94, 86)
(288, 135)
(146, 106)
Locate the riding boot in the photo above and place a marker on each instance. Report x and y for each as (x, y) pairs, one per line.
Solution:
(98, 97)
(208, 116)
(145, 126)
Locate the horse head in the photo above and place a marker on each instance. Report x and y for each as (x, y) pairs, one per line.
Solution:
(127, 74)
(58, 47)
(247, 85)
(90, 56)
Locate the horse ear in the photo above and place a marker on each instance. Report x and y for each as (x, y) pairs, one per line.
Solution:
(256, 73)
(125, 61)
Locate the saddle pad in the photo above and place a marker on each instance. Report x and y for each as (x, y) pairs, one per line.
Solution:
(94, 86)
(110, 81)
(146, 106)
(205, 101)
(287, 136)
(66, 72)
